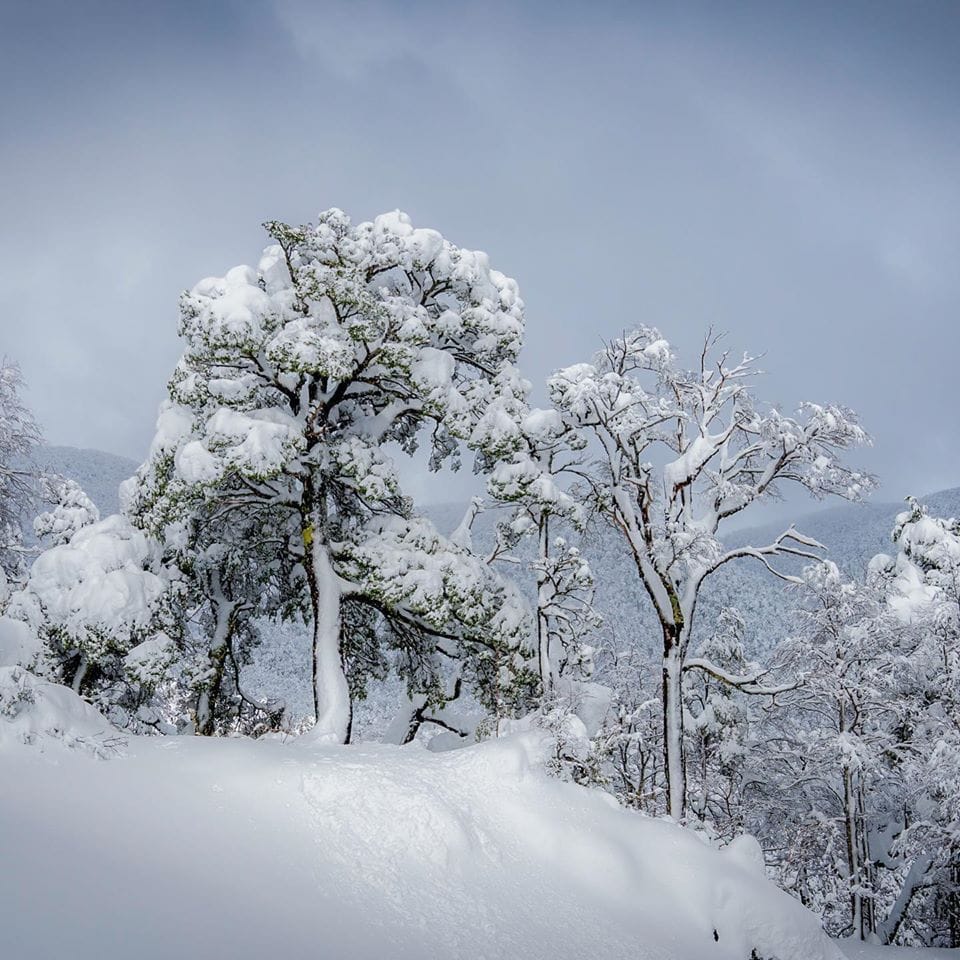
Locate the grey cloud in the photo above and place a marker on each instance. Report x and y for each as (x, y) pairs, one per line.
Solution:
(783, 173)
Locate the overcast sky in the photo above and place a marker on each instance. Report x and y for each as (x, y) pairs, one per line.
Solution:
(789, 173)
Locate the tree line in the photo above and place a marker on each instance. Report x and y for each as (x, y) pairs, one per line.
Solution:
(270, 491)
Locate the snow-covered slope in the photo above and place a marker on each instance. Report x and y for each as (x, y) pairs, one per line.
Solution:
(188, 847)
(858, 950)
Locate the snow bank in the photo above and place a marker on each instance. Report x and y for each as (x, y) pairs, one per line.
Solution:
(191, 847)
(857, 950)
(37, 713)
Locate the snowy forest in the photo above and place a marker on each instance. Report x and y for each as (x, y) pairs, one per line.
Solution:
(479, 481)
(713, 708)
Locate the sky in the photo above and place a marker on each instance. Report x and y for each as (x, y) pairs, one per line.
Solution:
(787, 173)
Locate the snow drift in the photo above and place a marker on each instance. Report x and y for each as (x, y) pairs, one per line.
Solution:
(195, 847)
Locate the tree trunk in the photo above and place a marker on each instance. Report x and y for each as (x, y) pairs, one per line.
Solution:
(210, 695)
(331, 693)
(406, 724)
(417, 711)
(953, 905)
(673, 760)
(861, 916)
(224, 611)
(866, 867)
(81, 673)
(912, 882)
(543, 627)
(705, 745)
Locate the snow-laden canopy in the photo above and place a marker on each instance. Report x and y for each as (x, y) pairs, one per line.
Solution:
(299, 381)
(96, 592)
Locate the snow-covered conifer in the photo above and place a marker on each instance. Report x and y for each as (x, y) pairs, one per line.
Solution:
(70, 510)
(94, 600)
(296, 380)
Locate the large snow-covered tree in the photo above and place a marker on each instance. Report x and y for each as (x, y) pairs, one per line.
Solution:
(296, 380)
(19, 434)
(681, 452)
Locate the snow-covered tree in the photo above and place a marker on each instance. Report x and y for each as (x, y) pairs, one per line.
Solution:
(70, 509)
(631, 737)
(94, 601)
(854, 776)
(845, 712)
(19, 434)
(296, 380)
(923, 596)
(717, 728)
(530, 480)
(681, 453)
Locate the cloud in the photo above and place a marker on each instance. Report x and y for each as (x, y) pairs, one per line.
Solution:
(786, 176)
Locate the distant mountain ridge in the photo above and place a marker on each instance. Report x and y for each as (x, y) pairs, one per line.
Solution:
(99, 473)
(852, 533)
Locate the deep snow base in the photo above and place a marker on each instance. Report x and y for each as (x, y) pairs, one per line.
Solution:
(154, 847)
(187, 847)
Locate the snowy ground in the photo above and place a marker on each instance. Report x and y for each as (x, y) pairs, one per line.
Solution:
(864, 951)
(186, 847)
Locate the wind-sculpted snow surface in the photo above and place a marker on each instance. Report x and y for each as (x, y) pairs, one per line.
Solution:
(188, 847)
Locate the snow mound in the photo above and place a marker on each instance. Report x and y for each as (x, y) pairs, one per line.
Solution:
(193, 847)
(18, 643)
(35, 712)
(507, 863)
